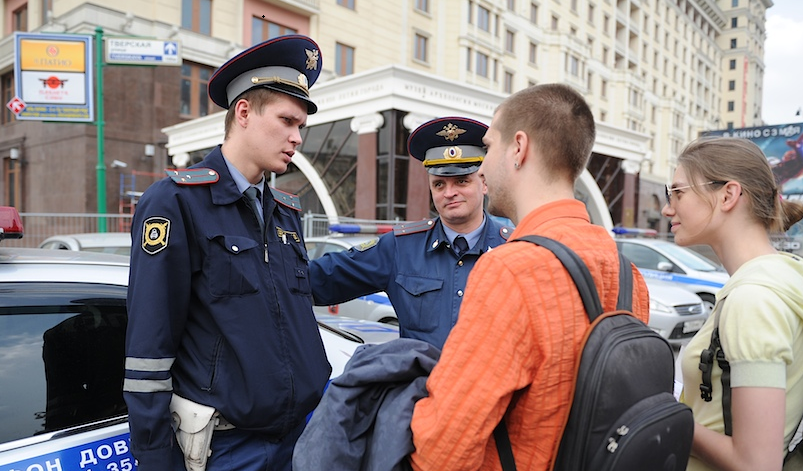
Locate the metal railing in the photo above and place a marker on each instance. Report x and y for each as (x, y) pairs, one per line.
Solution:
(40, 226)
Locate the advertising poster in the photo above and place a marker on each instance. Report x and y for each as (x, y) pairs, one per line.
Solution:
(53, 77)
(783, 146)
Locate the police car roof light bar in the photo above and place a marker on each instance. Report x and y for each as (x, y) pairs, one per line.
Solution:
(10, 223)
(634, 231)
(360, 228)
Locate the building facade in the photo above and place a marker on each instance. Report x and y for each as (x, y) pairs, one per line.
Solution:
(655, 72)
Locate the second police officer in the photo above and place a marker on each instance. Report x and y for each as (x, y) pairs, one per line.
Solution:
(423, 266)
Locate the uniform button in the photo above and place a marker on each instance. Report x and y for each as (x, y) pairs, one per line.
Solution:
(234, 248)
(460, 293)
(460, 263)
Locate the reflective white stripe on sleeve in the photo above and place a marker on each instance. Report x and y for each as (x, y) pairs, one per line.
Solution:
(149, 364)
(147, 385)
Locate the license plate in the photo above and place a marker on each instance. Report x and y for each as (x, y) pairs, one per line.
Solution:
(692, 326)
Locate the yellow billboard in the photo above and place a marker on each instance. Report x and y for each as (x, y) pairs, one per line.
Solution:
(52, 55)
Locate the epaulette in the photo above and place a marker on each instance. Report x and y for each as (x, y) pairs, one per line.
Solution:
(193, 176)
(287, 199)
(505, 231)
(414, 227)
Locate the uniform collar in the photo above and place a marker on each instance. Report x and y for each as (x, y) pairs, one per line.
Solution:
(438, 239)
(226, 191)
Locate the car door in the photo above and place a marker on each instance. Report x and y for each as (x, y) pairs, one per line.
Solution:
(61, 372)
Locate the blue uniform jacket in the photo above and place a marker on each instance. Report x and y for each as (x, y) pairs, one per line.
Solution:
(217, 316)
(415, 265)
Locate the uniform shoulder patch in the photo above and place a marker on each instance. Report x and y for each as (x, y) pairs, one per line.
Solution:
(414, 227)
(193, 176)
(505, 231)
(287, 199)
(366, 245)
(155, 233)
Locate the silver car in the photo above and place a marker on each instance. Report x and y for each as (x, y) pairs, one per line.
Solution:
(675, 313)
(62, 332)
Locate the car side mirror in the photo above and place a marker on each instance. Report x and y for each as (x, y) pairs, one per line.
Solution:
(665, 266)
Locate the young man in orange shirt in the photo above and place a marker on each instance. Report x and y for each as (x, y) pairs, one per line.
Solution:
(517, 339)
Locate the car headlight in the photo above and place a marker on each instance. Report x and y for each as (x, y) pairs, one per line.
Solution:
(660, 307)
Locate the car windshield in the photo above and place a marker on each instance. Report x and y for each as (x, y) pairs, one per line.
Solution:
(687, 257)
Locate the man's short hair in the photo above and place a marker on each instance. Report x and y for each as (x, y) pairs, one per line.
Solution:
(558, 122)
(258, 98)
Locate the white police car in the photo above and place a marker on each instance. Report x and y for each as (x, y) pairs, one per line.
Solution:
(62, 332)
(373, 307)
(669, 262)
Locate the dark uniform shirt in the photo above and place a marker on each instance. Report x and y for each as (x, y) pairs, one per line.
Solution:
(422, 275)
(216, 315)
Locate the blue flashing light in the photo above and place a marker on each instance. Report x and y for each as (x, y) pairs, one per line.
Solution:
(634, 231)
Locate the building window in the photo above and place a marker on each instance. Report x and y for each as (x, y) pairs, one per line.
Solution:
(732, 64)
(603, 88)
(554, 25)
(468, 59)
(589, 81)
(605, 56)
(13, 193)
(533, 13)
(195, 100)
(422, 5)
(421, 48)
(47, 9)
(262, 30)
(733, 43)
(606, 22)
(731, 85)
(346, 3)
(731, 105)
(511, 5)
(734, 3)
(20, 18)
(470, 12)
(573, 65)
(8, 93)
(344, 59)
(196, 15)
(734, 22)
(591, 13)
(483, 18)
(533, 53)
(482, 64)
(510, 40)
(508, 86)
(574, 6)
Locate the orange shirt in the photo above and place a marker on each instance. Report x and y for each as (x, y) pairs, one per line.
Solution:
(519, 330)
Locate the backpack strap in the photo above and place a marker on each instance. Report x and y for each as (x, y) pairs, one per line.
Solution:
(716, 352)
(588, 293)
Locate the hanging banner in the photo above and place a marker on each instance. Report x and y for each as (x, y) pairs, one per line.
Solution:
(53, 77)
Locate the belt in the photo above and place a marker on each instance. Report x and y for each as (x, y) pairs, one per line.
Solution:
(222, 424)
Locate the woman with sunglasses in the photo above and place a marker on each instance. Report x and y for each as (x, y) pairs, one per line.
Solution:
(723, 194)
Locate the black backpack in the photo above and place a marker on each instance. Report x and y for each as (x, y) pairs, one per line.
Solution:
(623, 414)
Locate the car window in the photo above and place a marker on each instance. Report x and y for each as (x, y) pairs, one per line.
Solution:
(61, 356)
(689, 257)
(55, 245)
(643, 257)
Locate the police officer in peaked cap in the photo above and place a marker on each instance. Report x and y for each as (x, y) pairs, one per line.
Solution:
(423, 266)
(222, 344)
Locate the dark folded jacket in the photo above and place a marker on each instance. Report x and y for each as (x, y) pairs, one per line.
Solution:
(363, 420)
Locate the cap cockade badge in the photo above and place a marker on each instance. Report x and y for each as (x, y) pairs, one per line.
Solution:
(453, 153)
(312, 59)
(450, 132)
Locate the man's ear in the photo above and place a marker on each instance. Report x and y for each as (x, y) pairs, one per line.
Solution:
(242, 108)
(521, 142)
(730, 195)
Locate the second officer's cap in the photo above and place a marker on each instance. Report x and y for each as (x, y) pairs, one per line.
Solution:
(287, 64)
(450, 146)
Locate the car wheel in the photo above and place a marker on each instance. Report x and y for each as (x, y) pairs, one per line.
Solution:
(708, 302)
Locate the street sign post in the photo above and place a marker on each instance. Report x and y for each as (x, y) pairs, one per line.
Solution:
(139, 51)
